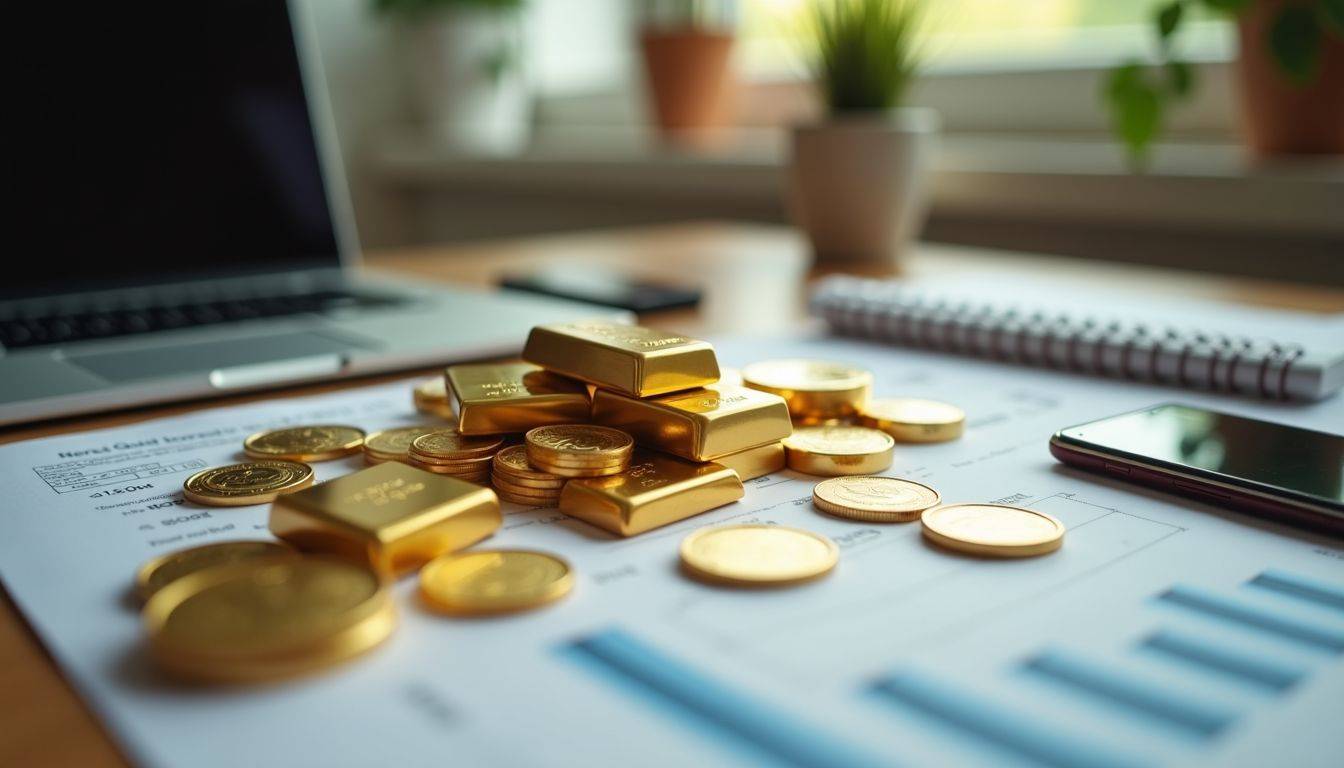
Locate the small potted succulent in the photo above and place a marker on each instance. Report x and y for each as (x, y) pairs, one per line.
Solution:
(857, 174)
(463, 65)
(687, 49)
(1290, 74)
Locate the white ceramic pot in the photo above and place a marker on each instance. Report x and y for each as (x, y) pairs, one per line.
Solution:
(856, 184)
(464, 66)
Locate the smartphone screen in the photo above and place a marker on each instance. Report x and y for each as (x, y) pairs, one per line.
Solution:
(1302, 462)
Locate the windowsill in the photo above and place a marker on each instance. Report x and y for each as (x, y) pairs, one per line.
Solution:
(1207, 187)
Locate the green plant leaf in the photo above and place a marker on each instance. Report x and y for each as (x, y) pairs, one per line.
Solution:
(1135, 107)
(1168, 19)
(1180, 77)
(1334, 14)
(1295, 42)
(866, 52)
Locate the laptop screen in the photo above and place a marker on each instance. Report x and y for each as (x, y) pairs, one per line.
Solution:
(160, 141)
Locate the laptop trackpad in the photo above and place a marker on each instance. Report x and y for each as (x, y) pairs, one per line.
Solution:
(200, 357)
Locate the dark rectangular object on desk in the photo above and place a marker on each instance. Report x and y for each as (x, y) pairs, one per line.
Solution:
(608, 289)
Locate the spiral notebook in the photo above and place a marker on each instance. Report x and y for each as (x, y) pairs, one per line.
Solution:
(1198, 345)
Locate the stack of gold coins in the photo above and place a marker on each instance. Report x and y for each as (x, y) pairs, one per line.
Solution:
(392, 444)
(518, 481)
(431, 397)
(579, 450)
(448, 452)
(817, 391)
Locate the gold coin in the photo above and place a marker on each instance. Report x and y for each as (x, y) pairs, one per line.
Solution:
(504, 484)
(911, 420)
(512, 464)
(993, 530)
(395, 443)
(813, 388)
(492, 581)
(578, 443)
(266, 619)
(313, 443)
(431, 396)
(758, 555)
(567, 471)
(528, 501)
(169, 567)
(874, 499)
(448, 443)
(554, 484)
(839, 450)
(451, 465)
(252, 482)
(816, 421)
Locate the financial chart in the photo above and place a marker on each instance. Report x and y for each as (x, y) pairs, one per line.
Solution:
(1163, 632)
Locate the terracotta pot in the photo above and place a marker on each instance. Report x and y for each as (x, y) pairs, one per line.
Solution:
(690, 82)
(1280, 117)
(857, 184)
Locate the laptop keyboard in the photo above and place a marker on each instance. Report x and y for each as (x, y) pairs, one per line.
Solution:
(39, 330)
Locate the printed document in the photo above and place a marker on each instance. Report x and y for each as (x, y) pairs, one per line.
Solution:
(1164, 631)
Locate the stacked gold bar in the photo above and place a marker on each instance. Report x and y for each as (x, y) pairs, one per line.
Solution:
(656, 490)
(389, 518)
(711, 423)
(637, 361)
(697, 438)
(501, 398)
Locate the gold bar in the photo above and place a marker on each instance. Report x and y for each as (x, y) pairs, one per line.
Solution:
(755, 462)
(495, 398)
(698, 424)
(390, 517)
(656, 490)
(627, 358)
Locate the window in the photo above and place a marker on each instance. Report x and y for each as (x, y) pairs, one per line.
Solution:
(989, 35)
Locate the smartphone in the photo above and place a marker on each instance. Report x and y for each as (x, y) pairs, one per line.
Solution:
(606, 287)
(1271, 470)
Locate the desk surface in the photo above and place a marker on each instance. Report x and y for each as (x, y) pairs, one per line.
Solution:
(752, 276)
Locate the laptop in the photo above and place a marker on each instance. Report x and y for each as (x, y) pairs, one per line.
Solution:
(185, 229)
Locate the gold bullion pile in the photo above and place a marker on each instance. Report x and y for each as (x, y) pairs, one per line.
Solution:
(624, 427)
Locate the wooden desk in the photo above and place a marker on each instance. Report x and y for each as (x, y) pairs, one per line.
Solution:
(753, 278)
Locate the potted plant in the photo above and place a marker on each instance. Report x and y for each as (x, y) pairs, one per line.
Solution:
(1290, 73)
(857, 175)
(464, 70)
(687, 47)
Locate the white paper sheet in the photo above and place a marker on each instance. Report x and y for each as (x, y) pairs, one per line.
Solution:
(905, 655)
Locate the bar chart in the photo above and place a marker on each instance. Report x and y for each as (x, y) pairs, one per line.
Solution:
(1218, 657)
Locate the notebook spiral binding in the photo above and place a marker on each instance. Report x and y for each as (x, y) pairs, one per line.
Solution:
(885, 310)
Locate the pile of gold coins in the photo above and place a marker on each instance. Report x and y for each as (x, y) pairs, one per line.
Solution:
(624, 427)
(447, 452)
(516, 480)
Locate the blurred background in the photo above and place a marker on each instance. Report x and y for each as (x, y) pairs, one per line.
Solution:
(468, 120)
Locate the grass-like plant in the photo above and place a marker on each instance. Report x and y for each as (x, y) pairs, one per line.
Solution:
(867, 52)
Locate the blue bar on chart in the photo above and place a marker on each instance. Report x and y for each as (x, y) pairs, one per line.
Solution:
(1016, 733)
(1314, 591)
(718, 709)
(1262, 672)
(1250, 615)
(1113, 687)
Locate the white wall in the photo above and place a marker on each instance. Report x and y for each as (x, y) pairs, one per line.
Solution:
(571, 46)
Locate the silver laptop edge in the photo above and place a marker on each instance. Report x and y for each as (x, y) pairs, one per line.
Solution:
(433, 325)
